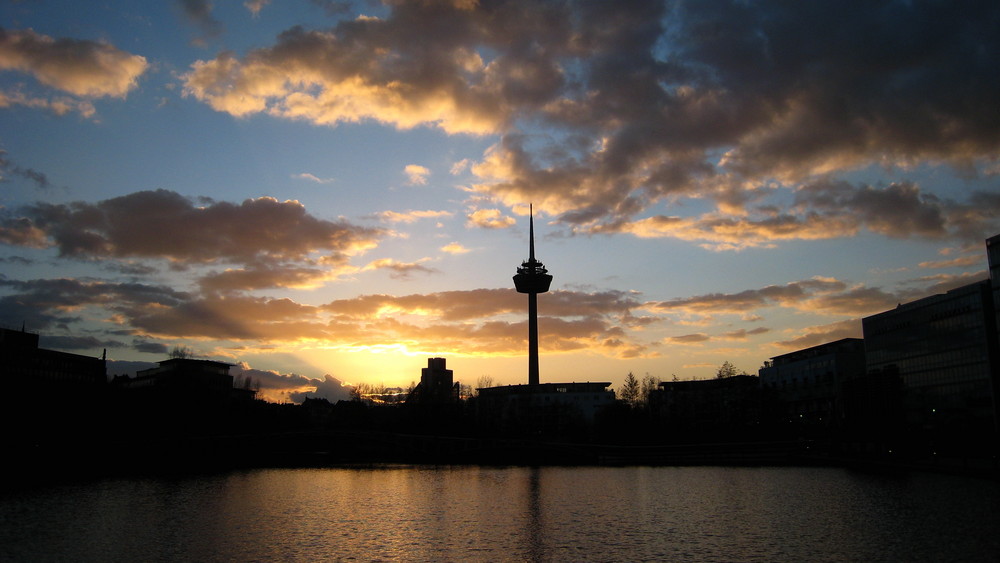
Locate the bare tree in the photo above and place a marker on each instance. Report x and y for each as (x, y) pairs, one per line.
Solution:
(648, 385)
(181, 352)
(483, 381)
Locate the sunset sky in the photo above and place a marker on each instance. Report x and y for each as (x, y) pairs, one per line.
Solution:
(327, 193)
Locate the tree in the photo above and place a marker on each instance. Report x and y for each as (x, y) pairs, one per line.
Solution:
(629, 393)
(727, 369)
(181, 352)
(648, 387)
(482, 382)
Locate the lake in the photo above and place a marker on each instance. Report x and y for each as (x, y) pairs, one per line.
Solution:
(425, 513)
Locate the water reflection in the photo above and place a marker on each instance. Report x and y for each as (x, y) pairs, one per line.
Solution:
(509, 514)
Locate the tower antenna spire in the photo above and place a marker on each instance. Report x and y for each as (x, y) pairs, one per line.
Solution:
(531, 233)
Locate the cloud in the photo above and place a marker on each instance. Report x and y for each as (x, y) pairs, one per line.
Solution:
(814, 336)
(135, 225)
(289, 387)
(312, 178)
(790, 294)
(412, 216)
(78, 343)
(268, 276)
(454, 248)
(940, 283)
(744, 334)
(59, 106)
(329, 388)
(602, 112)
(416, 174)
(148, 346)
(199, 13)
(360, 70)
(696, 338)
(482, 321)
(399, 270)
(87, 69)
(959, 262)
(490, 219)
(44, 304)
(39, 179)
(333, 7)
(255, 6)
(823, 296)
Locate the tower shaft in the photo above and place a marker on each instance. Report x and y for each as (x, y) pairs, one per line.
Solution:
(533, 378)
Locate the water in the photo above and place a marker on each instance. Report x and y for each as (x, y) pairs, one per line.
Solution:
(509, 514)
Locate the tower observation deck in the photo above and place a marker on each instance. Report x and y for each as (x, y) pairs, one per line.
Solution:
(532, 278)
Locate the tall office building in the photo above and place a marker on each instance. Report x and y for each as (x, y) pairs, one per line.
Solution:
(945, 353)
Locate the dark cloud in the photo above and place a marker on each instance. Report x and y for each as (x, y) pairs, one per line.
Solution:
(147, 346)
(605, 110)
(199, 13)
(329, 388)
(39, 179)
(285, 387)
(899, 210)
(78, 343)
(48, 303)
(165, 225)
(333, 7)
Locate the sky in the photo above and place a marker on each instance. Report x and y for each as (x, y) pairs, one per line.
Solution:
(328, 193)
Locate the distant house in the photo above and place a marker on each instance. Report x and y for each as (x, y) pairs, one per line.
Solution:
(437, 385)
(807, 384)
(707, 405)
(26, 365)
(184, 381)
(47, 392)
(543, 407)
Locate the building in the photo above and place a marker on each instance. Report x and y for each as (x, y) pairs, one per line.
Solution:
(944, 351)
(726, 404)
(48, 394)
(806, 385)
(437, 385)
(46, 372)
(546, 408)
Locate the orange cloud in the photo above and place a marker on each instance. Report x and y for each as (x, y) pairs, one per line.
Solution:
(82, 68)
(454, 248)
(490, 219)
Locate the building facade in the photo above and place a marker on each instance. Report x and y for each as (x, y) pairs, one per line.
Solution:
(726, 404)
(806, 385)
(547, 408)
(437, 385)
(26, 365)
(944, 352)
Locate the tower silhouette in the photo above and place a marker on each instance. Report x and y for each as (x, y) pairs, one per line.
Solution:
(532, 278)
